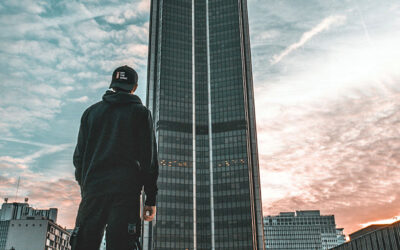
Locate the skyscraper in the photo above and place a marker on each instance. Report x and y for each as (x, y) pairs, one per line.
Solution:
(200, 91)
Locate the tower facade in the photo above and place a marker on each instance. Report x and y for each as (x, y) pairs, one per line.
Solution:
(200, 91)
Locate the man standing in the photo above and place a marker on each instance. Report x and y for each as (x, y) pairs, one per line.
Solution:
(115, 156)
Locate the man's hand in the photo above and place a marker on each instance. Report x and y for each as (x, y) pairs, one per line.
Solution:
(149, 213)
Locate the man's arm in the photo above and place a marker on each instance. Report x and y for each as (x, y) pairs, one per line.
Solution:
(80, 149)
(150, 163)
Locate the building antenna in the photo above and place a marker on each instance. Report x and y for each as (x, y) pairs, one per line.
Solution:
(16, 193)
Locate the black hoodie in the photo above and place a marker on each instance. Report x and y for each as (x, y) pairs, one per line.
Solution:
(116, 150)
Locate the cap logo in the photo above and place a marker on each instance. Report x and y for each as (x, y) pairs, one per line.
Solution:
(121, 75)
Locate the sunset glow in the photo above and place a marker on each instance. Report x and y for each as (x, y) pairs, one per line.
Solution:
(327, 94)
(384, 221)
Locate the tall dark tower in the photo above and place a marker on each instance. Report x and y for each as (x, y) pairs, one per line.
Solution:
(200, 90)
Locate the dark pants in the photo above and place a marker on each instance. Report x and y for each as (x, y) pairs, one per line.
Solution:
(121, 214)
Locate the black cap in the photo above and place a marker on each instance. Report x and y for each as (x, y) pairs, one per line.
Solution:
(124, 77)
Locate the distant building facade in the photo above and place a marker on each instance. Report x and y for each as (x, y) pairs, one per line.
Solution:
(33, 232)
(374, 237)
(301, 230)
(3, 233)
(23, 227)
(341, 238)
(17, 210)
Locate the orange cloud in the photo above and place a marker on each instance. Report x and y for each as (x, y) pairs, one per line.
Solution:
(339, 157)
(63, 194)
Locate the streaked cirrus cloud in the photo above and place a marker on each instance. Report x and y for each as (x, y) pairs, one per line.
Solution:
(323, 25)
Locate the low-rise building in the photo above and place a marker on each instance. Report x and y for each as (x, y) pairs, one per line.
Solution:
(374, 237)
(3, 233)
(301, 230)
(35, 232)
(23, 227)
(16, 210)
(341, 238)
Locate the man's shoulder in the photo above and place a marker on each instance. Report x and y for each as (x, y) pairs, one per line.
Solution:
(135, 108)
(88, 110)
(139, 108)
(93, 106)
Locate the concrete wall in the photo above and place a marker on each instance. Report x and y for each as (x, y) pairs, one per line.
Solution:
(27, 234)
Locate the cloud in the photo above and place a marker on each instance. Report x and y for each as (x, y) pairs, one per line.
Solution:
(23, 162)
(322, 26)
(328, 115)
(61, 193)
(82, 99)
(384, 221)
(48, 90)
(340, 157)
(24, 142)
(100, 85)
(46, 150)
(26, 112)
(264, 37)
(329, 136)
(328, 132)
(51, 187)
(55, 57)
(54, 49)
(114, 20)
(26, 5)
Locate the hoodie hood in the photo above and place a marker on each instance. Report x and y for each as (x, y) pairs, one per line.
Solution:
(120, 97)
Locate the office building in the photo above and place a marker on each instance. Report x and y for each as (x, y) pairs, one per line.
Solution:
(34, 232)
(200, 92)
(374, 237)
(23, 227)
(16, 210)
(3, 233)
(341, 238)
(303, 230)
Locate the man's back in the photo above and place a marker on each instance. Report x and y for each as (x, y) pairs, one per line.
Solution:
(115, 156)
(115, 133)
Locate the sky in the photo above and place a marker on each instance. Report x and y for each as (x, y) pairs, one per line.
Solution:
(327, 93)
